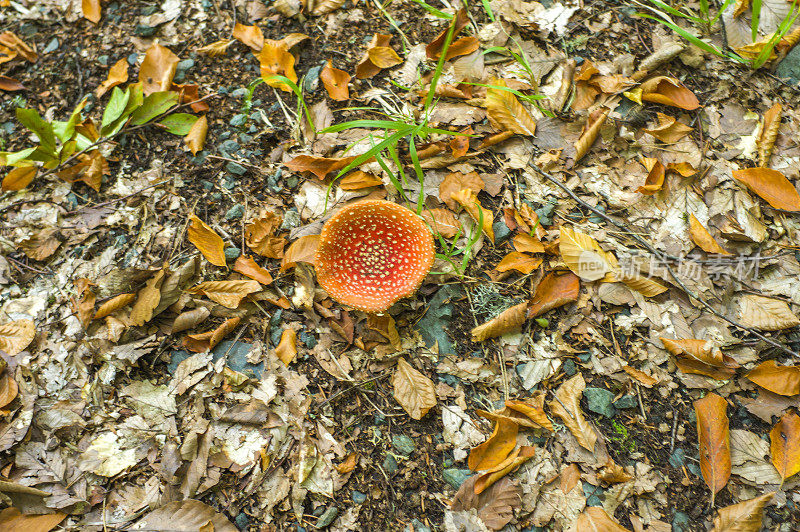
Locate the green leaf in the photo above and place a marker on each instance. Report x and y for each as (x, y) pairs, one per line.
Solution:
(115, 108)
(11, 158)
(432, 10)
(65, 130)
(134, 102)
(153, 106)
(179, 123)
(43, 129)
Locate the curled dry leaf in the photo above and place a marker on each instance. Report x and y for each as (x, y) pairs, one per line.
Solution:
(784, 445)
(383, 57)
(195, 139)
(117, 75)
(595, 518)
(414, 391)
(259, 235)
(12, 46)
(207, 241)
(655, 176)
(323, 7)
(248, 267)
(348, 465)
(554, 290)
(147, 299)
(216, 48)
(783, 380)
(613, 473)
(703, 238)
(469, 200)
(701, 356)
(514, 460)
(533, 409)
(521, 262)
(157, 69)
(766, 314)
(590, 133)
(250, 36)
(10, 84)
(319, 166)
(91, 10)
(505, 322)
(227, 293)
(745, 516)
(772, 186)
(15, 336)
(567, 407)
(206, 341)
(458, 47)
(495, 505)
(715, 444)
(769, 132)
(505, 111)
(668, 91)
(669, 130)
(19, 178)
(496, 448)
(286, 350)
(190, 319)
(304, 249)
(366, 68)
(584, 256)
(8, 389)
(275, 60)
(336, 82)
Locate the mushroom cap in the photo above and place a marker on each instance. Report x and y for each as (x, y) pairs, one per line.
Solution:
(372, 254)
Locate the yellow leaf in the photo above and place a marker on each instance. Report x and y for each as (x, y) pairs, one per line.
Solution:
(216, 48)
(251, 36)
(366, 68)
(195, 139)
(590, 133)
(584, 256)
(414, 391)
(526, 243)
(15, 336)
(275, 59)
(158, 69)
(772, 186)
(304, 249)
(114, 304)
(117, 75)
(359, 180)
(12, 520)
(248, 267)
(336, 82)
(785, 445)
(383, 57)
(769, 132)
(19, 178)
(715, 443)
(207, 241)
(91, 10)
(669, 91)
(703, 238)
(521, 262)
(655, 176)
(567, 407)
(147, 299)
(644, 285)
(227, 293)
(595, 518)
(506, 112)
(765, 313)
(783, 380)
(286, 349)
(516, 459)
(496, 448)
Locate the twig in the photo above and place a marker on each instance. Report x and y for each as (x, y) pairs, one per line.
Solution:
(350, 389)
(111, 202)
(644, 243)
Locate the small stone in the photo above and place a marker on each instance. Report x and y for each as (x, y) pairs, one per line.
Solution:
(276, 318)
(681, 522)
(390, 465)
(626, 401)
(133, 58)
(545, 213)
(455, 477)
(358, 497)
(184, 65)
(228, 183)
(241, 92)
(52, 46)
(216, 196)
(235, 168)
(103, 60)
(244, 138)
(403, 444)
(585, 357)
(599, 401)
(501, 231)
(292, 181)
(327, 518)
(308, 339)
(143, 30)
(592, 494)
(229, 146)
(235, 212)
(678, 458)
(232, 253)
(206, 184)
(291, 219)
(275, 335)
(241, 521)
(148, 10)
(569, 367)
(238, 120)
(311, 83)
(789, 67)
(419, 526)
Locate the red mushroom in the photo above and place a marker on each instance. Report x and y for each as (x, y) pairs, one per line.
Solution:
(372, 254)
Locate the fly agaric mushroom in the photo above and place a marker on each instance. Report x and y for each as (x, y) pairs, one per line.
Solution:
(372, 254)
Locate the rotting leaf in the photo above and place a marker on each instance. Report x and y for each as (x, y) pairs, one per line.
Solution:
(496, 448)
(745, 516)
(15, 336)
(668, 91)
(247, 266)
(190, 319)
(784, 448)
(9, 84)
(669, 130)
(567, 406)
(514, 460)
(769, 132)
(259, 235)
(199, 343)
(458, 47)
(495, 505)
(554, 290)
(505, 111)
(336, 82)
(714, 439)
(655, 176)
(766, 314)
(442, 222)
(703, 238)
(783, 380)
(229, 294)
(207, 241)
(414, 391)
(772, 186)
(701, 356)
(41, 245)
(319, 166)
(185, 516)
(454, 182)
(157, 69)
(251, 36)
(508, 320)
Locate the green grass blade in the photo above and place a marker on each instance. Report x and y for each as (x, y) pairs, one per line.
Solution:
(432, 10)
(756, 16)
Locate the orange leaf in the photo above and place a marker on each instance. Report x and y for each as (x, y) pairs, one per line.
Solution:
(91, 10)
(669, 91)
(669, 130)
(772, 186)
(15, 336)
(783, 380)
(259, 235)
(383, 57)
(495, 449)
(16, 45)
(8, 389)
(251, 36)
(703, 238)
(247, 266)
(12, 520)
(207, 241)
(769, 132)
(516, 459)
(459, 144)
(590, 132)
(336, 82)
(208, 340)
(304, 249)
(655, 176)
(41, 245)
(553, 291)
(358, 180)
(275, 59)
(505, 112)
(229, 294)
(454, 182)
(434, 49)
(700, 356)
(366, 68)
(533, 409)
(287, 347)
(526, 243)
(158, 69)
(714, 438)
(467, 199)
(349, 464)
(784, 445)
(567, 406)
(442, 222)
(319, 166)
(520, 262)
(117, 75)
(114, 304)
(195, 139)
(10, 84)
(19, 178)
(506, 321)
(595, 518)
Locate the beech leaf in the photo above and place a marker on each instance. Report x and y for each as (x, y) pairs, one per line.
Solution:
(772, 186)
(195, 139)
(785, 445)
(567, 407)
(414, 391)
(714, 438)
(668, 91)
(15, 336)
(769, 132)
(505, 111)
(584, 256)
(185, 516)
(157, 69)
(496, 448)
(553, 291)
(336, 82)
(248, 267)
(505, 322)
(286, 350)
(227, 293)
(147, 299)
(745, 516)
(207, 241)
(765, 313)
(595, 518)
(783, 380)
(703, 238)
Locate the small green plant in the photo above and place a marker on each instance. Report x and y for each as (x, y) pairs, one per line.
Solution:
(622, 438)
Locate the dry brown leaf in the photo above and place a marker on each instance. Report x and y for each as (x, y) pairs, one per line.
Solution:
(275, 60)
(157, 69)
(251, 36)
(286, 350)
(613, 473)
(358, 180)
(643, 378)
(495, 505)
(15, 336)
(195, 139)
(459, 144)
(90, 170)
(784, 445)
(147, 299)
(10, 84)
(505, 111)
(655, 176)
(765, 313)
(506, 321)
(595, 519)
(348, 465)
(259, 235)
(772, 186)
(336, 82)
(8, 389)
(414, 391)
(668, 91)
(684, 169)
(19, 178)
(117, 75)
(248, 267)
(783, 380)
(533, 409)
(383, 57)
(114, 304)
(434, 50)
(190, 94)
(323, 7)
(702, 357)
(769, 132)
(366, 68)
(567, 406)
(715, 444)
(521, 262)
(644, 285)
(41, 245)
(185, 516)
(454, 182)
(746, 516)
(12, 520)
(496, 448)
(590, 133)
(190, 319)
(206, 341)
(91, 10)
(525, 243)
(207, 241)
(216, 48)
(304, 249)
(319, 166)
(469, 200)
(13, 46)
(227, 293)
(703, 238)
(83, 306)
(514, 460)
(554, 290)
(584, 256)
(669, 130)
